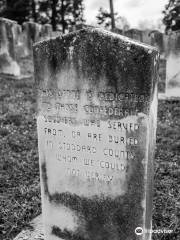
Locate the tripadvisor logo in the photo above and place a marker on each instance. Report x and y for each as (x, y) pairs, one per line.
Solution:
(139, 231)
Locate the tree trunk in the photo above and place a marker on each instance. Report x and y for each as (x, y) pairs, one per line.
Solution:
(34, 14)
(75, 6)
(112, 15)
(63, 16)
(54, 14)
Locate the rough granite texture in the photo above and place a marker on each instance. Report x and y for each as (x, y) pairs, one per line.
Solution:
(97, 60)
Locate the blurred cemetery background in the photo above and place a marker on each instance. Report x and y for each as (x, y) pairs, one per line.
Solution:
(24, 22)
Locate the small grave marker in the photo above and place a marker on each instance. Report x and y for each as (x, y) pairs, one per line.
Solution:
(8, 61)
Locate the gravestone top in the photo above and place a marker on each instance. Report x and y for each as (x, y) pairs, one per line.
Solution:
(7, 20)
(46, 31)
(8, 63)
(104, 43)
(134, 30)
(31, 34)
(96, 121)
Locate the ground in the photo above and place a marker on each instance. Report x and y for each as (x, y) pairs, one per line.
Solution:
(19, 185)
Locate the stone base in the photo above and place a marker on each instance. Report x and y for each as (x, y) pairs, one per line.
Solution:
(173, 92)
(12, 77)
(35, 231)
(161, 96)
(8, 65)
(170, 94)
(165, 96)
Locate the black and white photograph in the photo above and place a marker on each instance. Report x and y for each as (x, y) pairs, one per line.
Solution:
(90, 119)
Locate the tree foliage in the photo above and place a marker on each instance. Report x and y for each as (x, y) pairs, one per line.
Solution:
(104, 19)
(18, 10)
(172, 15)
(60, 13)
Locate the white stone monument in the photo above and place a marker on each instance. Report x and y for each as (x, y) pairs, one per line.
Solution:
(96, 121)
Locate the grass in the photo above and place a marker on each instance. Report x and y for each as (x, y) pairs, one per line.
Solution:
(19, 183)
(166, 212)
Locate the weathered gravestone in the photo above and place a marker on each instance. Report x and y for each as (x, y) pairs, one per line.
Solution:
(19, 42)
(118, 31)
(31, 34)
(146, 38)
(8, 63)
(56, 34)
(173, 64)
(18, 32)
(97, 101)
(157, 40)
(162, 75)
(46, 31)
(134, 34)
(79, 26)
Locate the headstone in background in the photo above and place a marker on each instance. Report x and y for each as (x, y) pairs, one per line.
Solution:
(162, 75)
(18, 32)
(134, 34)
(19, 44)
(118, 31)
(173, 64)
(97, 106)
(146, 38)
(56, 34)
(31, 34)
(157, 40)
(8, 63)
(79, 27)
(46, 31)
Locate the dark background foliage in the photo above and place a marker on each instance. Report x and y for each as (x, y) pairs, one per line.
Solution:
(61, 14)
